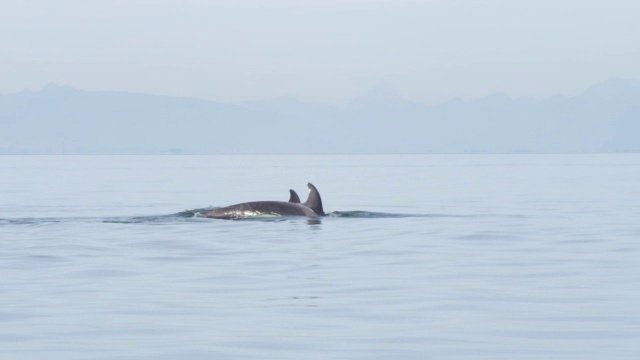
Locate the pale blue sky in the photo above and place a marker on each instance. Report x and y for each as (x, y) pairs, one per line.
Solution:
(319, 51)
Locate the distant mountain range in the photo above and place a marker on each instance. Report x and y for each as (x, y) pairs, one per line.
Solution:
(64, 120)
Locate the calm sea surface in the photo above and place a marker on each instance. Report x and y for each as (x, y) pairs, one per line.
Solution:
(421, 257)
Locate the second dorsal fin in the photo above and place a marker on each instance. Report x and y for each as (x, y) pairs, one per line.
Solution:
(294, 198)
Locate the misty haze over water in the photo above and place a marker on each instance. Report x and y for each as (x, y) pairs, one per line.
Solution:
(64, 120)
(478, 161)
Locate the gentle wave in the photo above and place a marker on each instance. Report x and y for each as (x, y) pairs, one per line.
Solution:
(108, 220)
(199, 213)
(359, 214)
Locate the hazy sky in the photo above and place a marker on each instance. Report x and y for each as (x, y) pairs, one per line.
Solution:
(325, 51)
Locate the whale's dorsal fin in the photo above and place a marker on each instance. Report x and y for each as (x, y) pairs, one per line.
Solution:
(294, 198)
(313, 201)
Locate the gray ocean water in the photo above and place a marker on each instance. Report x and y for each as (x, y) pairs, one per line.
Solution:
(421, 257)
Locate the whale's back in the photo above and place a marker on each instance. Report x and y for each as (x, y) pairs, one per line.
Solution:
(261, 208)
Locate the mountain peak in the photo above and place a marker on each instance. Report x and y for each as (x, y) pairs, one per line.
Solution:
(55, 88)
(499, 97)
(614, 88)
(383, 91)
(381, 95)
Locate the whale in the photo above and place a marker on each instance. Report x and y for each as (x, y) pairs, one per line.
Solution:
(310, 208)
